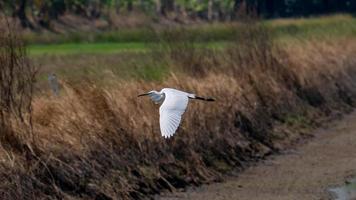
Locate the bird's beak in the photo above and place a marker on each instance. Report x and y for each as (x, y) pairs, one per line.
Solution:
(145, 94)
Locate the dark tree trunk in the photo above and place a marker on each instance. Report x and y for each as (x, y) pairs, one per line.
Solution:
(129, 6)
(20, 12)
(326, 6)
(117, 6)
(262, 8)
(236, 8)
(167, 6)
(275, 8)
(251, 8)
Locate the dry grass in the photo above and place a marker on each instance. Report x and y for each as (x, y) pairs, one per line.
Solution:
(17, 78)
(97, 142)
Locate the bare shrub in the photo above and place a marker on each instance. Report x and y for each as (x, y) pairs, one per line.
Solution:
(17, 77)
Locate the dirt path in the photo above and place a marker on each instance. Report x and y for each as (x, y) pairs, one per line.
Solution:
(304, 173)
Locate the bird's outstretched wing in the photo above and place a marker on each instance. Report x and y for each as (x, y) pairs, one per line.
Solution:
(171, 111)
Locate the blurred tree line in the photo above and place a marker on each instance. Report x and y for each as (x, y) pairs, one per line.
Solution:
(43, 11)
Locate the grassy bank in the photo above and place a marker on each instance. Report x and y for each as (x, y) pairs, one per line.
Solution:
(86, 48)
(328, 27)
(96, 140)
(104, 48)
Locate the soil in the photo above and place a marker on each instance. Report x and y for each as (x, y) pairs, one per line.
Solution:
(307, 172)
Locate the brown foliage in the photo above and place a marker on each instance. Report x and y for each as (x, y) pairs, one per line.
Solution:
(104, 143)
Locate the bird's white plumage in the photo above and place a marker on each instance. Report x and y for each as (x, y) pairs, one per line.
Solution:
(174, 104)
(171, 110)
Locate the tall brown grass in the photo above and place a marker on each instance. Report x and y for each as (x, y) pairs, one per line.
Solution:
(17, 78)
(95, 142)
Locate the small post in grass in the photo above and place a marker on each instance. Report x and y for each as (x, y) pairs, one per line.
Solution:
(53, 83)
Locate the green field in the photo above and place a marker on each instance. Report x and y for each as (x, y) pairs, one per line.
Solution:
(102, 48)
(124, 57)
(86, 48)
(211, 35)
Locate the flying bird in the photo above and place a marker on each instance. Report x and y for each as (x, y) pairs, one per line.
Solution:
(174, 102)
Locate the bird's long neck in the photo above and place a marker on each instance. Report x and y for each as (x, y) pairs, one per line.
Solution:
(157, 97)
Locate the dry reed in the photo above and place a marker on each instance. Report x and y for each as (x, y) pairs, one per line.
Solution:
(104, 143)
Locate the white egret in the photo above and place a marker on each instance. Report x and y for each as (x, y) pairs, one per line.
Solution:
(174, 102)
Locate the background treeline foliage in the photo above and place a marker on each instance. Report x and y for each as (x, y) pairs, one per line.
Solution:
(43, 11)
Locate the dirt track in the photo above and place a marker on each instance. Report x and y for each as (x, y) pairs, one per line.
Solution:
(326, 160)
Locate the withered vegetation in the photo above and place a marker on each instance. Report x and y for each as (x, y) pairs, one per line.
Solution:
(17, 77)
(97, 142)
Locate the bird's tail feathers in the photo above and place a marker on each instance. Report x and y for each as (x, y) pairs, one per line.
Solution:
(201, 98)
